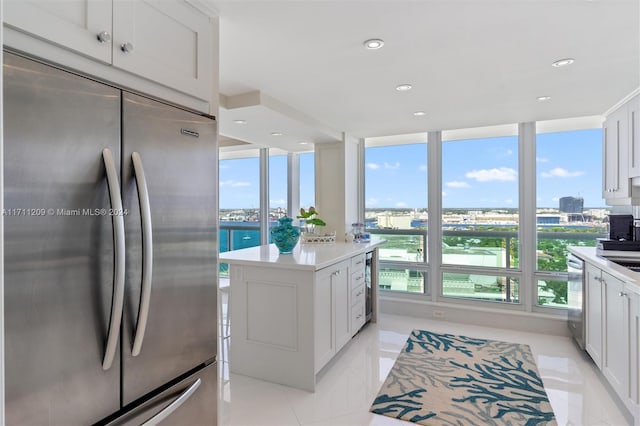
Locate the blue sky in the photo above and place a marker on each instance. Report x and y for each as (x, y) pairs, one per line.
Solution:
(240, 188)
(476, 173)
(484, 172)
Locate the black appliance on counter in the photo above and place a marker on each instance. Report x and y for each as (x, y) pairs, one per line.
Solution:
(624, 236)
(621, 227)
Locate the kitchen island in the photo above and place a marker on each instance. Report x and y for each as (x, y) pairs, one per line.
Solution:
(292, 313)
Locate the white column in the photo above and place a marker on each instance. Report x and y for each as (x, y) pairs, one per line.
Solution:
(527, 211)
(293, 184)
(264, 196)
(337, 184)
(434, 243)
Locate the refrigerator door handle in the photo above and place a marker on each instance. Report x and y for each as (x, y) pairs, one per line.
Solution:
(184, 396)
(147, 253)
(119, 259)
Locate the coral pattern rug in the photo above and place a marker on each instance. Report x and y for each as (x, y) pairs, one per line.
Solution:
(444, 379)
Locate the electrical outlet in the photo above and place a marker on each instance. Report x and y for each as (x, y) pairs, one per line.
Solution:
(438, 314)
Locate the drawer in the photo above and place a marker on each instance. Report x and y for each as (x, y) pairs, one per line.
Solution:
(357, 262)
(358, 295)
(357, 317)
(357, 279)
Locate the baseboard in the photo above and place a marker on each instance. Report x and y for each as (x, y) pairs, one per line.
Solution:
(513, 320)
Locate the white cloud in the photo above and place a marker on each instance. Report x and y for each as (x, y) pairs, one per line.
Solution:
(444, 194)
(279, 202)
(509, 152)
(561, 173)
(508, 201)
(394, 166)
(556, 199)
(401, 204)
(423, 167)
(234, 184)
(223, 166)
(372, 201)
(488, 175)
(458, 184)
(542, 160)
(373, 166)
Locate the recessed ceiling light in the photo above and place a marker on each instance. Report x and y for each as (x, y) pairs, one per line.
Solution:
(403, 87)
(563, 62)
(303, 143)
(373, 43)
(419, 113)
(240, 121)
(276, 133)
(543, 98)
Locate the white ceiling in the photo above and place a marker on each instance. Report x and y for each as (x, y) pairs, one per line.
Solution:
(299, 66)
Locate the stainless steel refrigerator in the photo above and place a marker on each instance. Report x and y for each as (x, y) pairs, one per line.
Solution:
(110, 254)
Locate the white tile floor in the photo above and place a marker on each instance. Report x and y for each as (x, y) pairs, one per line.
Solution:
(350, 382)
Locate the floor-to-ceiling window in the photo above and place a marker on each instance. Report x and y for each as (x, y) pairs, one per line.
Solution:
(277, 187)
(570, 208)
(396, 210)
(239, 202)
(480, 218)
(491, 250)
(307, 180)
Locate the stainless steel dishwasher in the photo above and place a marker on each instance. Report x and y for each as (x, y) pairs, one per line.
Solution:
(576, 298)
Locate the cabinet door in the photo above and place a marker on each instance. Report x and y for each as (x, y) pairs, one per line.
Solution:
(615, 150)
(633, 116)
(342, 292)
(615, 360)
(593, 320)
(72, 24)
(324, 347)
(633, 395)
(170, 43)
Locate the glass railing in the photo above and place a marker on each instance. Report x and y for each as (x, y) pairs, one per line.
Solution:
(237, 236)
(479, 265)
(403, 264)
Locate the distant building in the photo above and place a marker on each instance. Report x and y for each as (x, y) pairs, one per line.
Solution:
(571, 204)
(548, 219)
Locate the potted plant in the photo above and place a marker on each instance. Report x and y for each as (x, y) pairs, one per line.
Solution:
(311, 219)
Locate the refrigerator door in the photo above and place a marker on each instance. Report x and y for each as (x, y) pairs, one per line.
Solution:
(177, 159)
(58, 245)
(191, 401)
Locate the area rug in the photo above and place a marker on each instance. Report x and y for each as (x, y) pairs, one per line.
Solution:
(444, 379)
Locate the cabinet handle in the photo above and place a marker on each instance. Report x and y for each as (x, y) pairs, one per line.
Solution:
(622, 294)
(126, 47)
(104, 37)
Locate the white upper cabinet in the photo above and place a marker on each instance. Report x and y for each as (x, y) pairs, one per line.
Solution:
(73, 24)
(168, 43)
(621, 155)
(615, 150)
(633, 117)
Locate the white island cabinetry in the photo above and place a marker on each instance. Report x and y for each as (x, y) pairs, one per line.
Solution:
(292, 313)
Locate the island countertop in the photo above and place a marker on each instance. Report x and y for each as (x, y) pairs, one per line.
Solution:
(312, 257)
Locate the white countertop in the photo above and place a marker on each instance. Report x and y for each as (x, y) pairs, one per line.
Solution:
(588, 254)
(305, 256)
